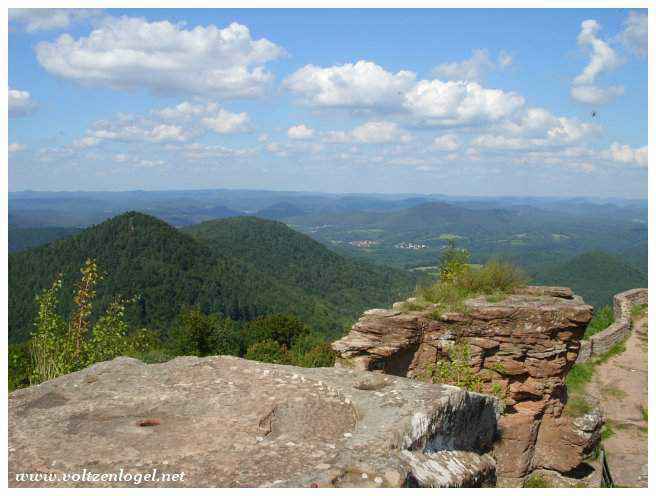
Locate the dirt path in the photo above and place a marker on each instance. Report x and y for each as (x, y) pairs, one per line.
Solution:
(620, 387)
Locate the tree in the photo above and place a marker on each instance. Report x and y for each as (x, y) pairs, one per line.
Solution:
(453, 262)
(283, 329)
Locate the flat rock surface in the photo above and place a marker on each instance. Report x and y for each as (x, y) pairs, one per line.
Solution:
(229, 422)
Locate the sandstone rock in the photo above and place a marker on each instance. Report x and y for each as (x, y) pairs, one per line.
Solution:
(228, 422)
(521, 347)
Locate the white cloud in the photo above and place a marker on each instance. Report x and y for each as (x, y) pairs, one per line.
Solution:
(224, 122)
(446, 143)
(33, 20)
(472, 69)
(131, 53)
(594, 95)
(128, 128)
(300, 132)
(634, 34)
(455, 103)
(209, 114)
(185, 111)
(20, 103)
(86, 142)
(497, 142)
(627, 155)
(379, 132)
(475, 68)
(539, 123)
(360, 85)
(198, 151)
(16, 147)
(602, 56)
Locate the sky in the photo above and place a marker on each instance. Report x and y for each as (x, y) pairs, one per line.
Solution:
(534, 102)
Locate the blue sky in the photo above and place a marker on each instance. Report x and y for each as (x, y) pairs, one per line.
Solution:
(482, 102)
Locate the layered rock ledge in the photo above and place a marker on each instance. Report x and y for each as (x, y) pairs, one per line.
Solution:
(521, 348)
(229, 422)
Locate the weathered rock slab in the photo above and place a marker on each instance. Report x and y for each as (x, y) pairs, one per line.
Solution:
(229, 422)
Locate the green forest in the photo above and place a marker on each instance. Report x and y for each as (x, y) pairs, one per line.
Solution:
(256, 268)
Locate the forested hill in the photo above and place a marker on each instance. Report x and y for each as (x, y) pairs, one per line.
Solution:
(595, 275)
(168, 269)
(301, 262)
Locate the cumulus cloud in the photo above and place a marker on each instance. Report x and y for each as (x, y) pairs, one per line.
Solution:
(20, 103)
(455, 103)
(131, 53)
(300, 132)
(378, 132)
(224, 122)
(594, 95)
(367, 86)
(627, 155)
(363, 85)
(603, 58)
(474, 68)
(33, 20)
(634, 34)
(446, 143)
(16, 147)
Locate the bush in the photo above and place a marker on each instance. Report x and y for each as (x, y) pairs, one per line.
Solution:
(456, 370)
(312, 350)
(495, 279)
(268, 351)
(59, 346)
(600, 321)
(283, 329)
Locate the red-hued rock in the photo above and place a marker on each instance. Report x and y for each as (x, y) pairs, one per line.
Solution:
(521, 348)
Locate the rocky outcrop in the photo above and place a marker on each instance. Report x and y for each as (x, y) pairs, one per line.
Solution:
(229, 422)
(520, 348)
(619, 330)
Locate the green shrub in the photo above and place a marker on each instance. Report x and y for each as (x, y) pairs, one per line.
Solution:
(283, 329)
(268, 351)
(600, 321)
(455, 370)
(59, 346)
(495, 277)
(577, 406)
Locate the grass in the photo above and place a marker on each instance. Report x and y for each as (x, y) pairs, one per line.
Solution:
(607, 431)
(645, 413)
(638, 310)
(580, 375)
(600, 321)
(495, 280)
(613, 392)
(577, 406)
(536, 481)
